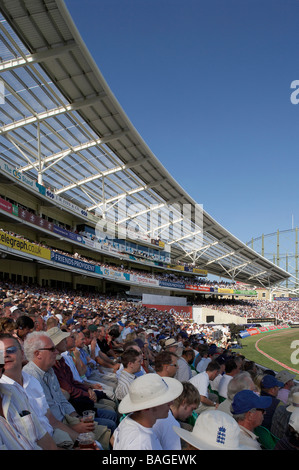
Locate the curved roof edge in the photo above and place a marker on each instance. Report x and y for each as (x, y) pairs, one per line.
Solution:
(48, 31)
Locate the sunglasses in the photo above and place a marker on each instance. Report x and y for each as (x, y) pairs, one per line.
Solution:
(11, 350)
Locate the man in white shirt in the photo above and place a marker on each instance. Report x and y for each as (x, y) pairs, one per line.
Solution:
(232, 368)
(201, 382)
(21, 428)
(149, 399)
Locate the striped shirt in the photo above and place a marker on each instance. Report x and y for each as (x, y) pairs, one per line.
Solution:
(124, 381)
(21, 422)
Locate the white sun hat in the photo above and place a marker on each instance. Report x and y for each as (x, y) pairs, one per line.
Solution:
(150, 390)
(294, 402)
(213, 430)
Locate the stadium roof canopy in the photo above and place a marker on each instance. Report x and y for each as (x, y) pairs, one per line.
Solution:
(62, 125)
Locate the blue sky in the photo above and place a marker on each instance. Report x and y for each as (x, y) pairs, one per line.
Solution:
(207, 84)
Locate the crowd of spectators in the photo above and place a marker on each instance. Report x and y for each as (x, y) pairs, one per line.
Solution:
(281, 310)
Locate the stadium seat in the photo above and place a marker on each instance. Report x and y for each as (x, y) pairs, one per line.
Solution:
(265, 438)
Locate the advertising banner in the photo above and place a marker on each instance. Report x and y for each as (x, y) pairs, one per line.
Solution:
(35, 219)
(76, 263)
(5, 205)
(182, 311)
(245, 292)
(108, 272)
(223, 290)
(253, 331)
(23, 245)
(197, 288)
(173, 284)
(67, 234)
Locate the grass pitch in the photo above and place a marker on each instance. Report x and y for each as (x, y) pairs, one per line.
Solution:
(280, 345)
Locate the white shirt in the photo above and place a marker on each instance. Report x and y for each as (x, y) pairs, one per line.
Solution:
(36, 396)
(130, 435)
(201, 382)
(222, 388)
(168, 438)
(249, 439)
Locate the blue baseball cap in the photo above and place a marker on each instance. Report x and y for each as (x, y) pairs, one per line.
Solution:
(268, 381)
(246, 400)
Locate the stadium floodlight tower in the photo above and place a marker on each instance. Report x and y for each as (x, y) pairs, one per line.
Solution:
(281, 247)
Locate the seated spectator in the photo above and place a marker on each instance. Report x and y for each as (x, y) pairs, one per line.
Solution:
(204, 361)
(104, 361)
(82, 397)
(172, 345)
(41, 354)
(25, 325)
(184, 371)
(248, 409)
(88, 368)
(166, 364)
(291, 439)
(149, 399)
(201, 382)
(103, 344)
(241, 381)
(215, 383)
(133, 345)
(180, 410)
(16, 433)
(282, 414)
(231, 370)
(288, 382)
(131, 360)
(7, 325)
(213, 430)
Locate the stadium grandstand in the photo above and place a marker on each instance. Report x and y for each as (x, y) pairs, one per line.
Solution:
(90, 220)
(74, 165)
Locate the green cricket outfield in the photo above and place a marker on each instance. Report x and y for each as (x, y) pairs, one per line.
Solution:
(276, 350)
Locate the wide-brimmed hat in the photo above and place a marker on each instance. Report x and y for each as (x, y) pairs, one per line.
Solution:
(285, 376)
(246, 400)
(213, 430)
(170, 342)
(150, 390)
(294, 420)
(295, 402)
(57, 335)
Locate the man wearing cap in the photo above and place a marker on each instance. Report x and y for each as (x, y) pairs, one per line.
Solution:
(149, 399)
(248, 410)
(171, 345)
(270, 387)
(288, 380)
